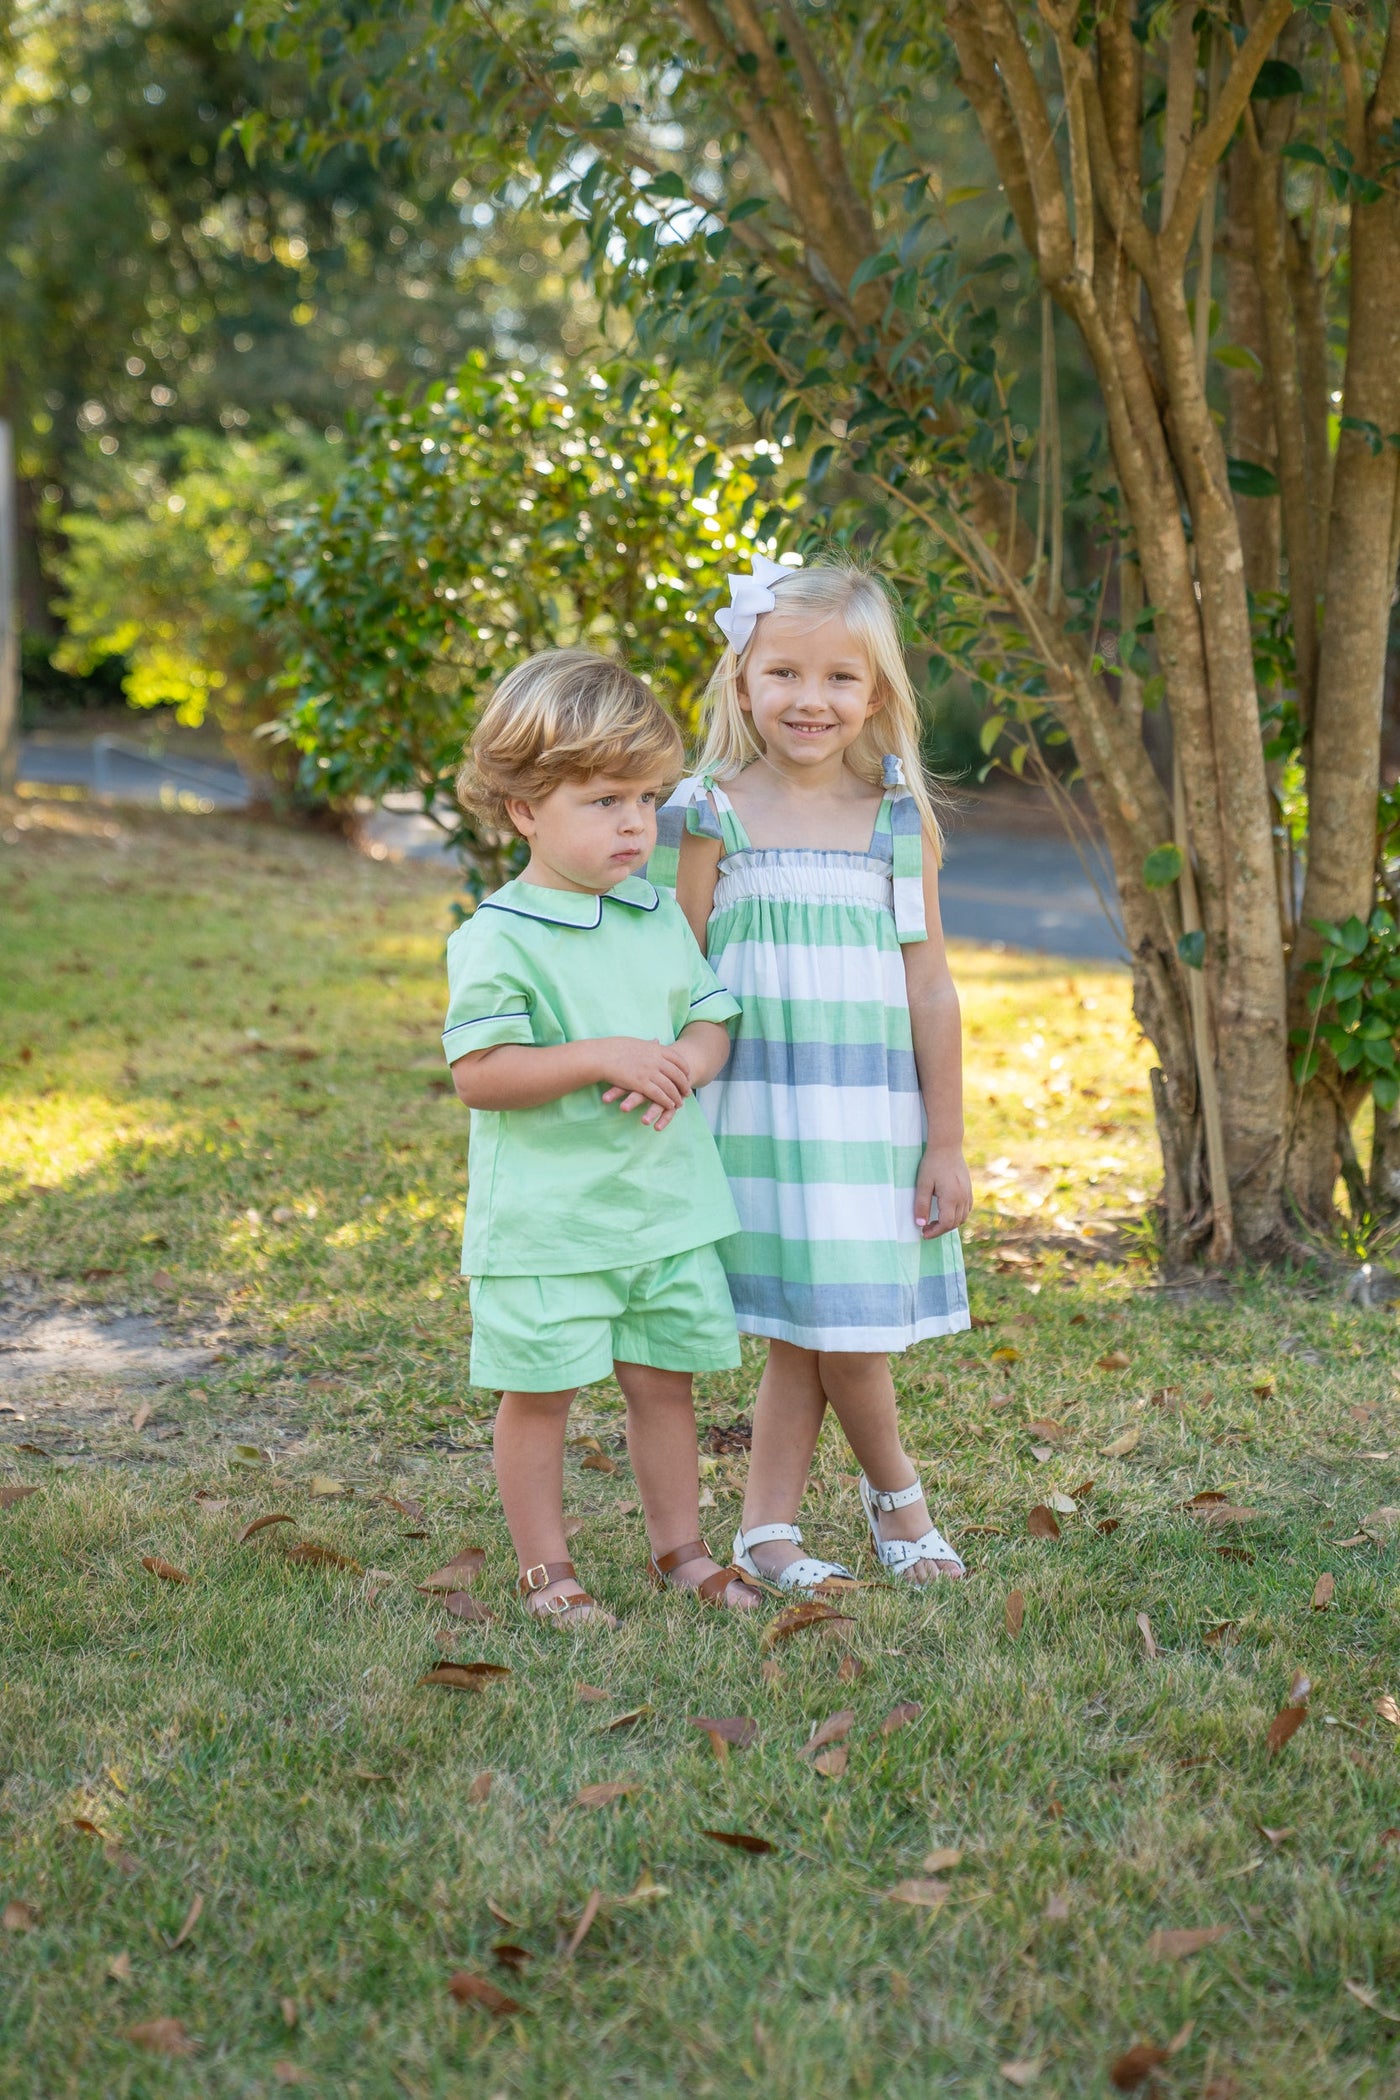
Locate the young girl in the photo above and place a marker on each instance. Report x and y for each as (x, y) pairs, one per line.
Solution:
(581, 1017)
(805, 855)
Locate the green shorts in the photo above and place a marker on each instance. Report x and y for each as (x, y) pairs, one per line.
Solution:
(542, 1334)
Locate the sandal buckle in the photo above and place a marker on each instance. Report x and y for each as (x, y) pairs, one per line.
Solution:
(528, 1578)
(555, 1605)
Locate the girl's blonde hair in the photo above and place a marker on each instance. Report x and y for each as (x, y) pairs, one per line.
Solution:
(566, 714)
(863, 600)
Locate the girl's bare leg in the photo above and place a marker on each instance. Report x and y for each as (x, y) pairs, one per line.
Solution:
(861, 1391)
(528, 1441)
(787, 1421)
(661, 1445)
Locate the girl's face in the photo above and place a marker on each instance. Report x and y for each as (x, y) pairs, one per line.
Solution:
(809, 690)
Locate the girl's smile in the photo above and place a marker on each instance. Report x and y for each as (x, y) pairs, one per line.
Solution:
(809, 690)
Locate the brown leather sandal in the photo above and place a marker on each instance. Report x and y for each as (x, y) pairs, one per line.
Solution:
(540, 1577)
(713, 1587)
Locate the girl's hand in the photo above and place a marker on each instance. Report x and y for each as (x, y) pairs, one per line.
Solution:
(646, 1072)
(943, 1191)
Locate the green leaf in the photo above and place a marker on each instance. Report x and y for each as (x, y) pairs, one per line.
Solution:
(1276, 79)
(1353, 936)
(989, 732)
(1365, 428)
(1299, 149)
(1163, 867)
(1239, 359)
(874, 266)
(1387, 1093)
(1154, 691)
(1192, 949)
(706, 468)
(821, 462)
(1248, 478)
(667, 184)
(745, 209)
(1305, 1068)
(965, 193)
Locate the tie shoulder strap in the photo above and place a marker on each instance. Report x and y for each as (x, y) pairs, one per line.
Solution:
(689, 809)
(907, 853)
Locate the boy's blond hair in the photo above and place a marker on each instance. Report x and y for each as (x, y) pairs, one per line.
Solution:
(566, 714)
(864, 602)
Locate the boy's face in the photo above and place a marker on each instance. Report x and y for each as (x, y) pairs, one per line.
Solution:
(589, 834)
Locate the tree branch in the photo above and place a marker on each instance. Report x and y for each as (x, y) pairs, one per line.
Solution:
(982, 85)
(1215, 134)
(1051, 245)
(1353, 87)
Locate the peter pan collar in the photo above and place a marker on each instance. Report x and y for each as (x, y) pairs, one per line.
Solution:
(529, 900)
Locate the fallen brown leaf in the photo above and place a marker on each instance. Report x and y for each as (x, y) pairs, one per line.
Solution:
(502, 1917)
(1064, 1505)
(1382, 1521)
(1276, 1837)
(771, 1672)
(1041, 1524)
(1220, 1513)
(573, 1526)
(1364, 1995)
(309, 1553)
(1015, 1612)
(627, 1720)
(1323, 1592)
(1388, 1710)
(1235, 1553)
(646, 1891)
(1290, 1717)
(404, 1506)
(599, 1462)
(1390, 1836)
(796, 1618)
(1022, 2071)
(142, 1415)
(1263, 1391)
(737, 1729)
(1136, 2064)
(477, 1990)
(591, 1692)
(1042, 1453)
(832, 1763)
(1114, 1360)
(326, 1490)
(739, 1840)
(1056, 1908)
(1106, 1525)
(605, 1791)
(163, 2037)
(1222, 1636)
(19, 1916)
(119, 1968)
(480, 1789)
(847, 1670)
(192, 1916)
(943, 1859)
(921, 1893)
(581, 1930)
(1046, 1431)
(465, 1677)
(1120, 1446)
(290, 2015)
(832, 1730)
(287, 2073)
(1085, 1487)
(374, 1778)
(9, 1496)
(1148, 1641)
(459, 1573)
(512, 1957)
(1189, 1939)
(900, 1716)
(464, 1606)
(1005, 1355)
(154, 1565)
(258, 1524)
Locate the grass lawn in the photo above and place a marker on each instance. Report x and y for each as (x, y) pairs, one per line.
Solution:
(221, 1105)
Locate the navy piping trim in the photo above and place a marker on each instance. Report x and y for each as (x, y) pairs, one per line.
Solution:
(520, 1014)
(718, 993)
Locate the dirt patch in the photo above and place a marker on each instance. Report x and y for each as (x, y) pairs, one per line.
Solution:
(124, 1349)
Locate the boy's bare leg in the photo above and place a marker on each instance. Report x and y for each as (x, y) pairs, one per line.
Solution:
(787, 1421)
(861, 1392)
(529, 1446)
(661, 1445)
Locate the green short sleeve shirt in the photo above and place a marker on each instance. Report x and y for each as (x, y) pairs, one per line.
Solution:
(575, 1185)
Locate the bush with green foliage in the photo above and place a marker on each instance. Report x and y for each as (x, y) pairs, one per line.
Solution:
(162, 564)
(493, 517)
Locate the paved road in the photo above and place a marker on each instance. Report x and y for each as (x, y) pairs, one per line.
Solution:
(1011, 875)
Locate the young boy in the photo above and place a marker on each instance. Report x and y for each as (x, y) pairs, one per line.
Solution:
(581, 1018)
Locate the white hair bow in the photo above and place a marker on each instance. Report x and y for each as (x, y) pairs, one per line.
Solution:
(748, 597)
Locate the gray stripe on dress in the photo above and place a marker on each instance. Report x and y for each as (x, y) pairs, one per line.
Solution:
(854, 1305)
(823, 1064)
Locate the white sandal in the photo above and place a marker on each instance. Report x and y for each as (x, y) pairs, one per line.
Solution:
(900, 1556)
(807, 1573)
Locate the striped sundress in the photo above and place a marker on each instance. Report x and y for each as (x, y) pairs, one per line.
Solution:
(817, 1115)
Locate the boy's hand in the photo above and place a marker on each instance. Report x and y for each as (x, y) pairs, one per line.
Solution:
(943, 1191)
(653, 1072)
